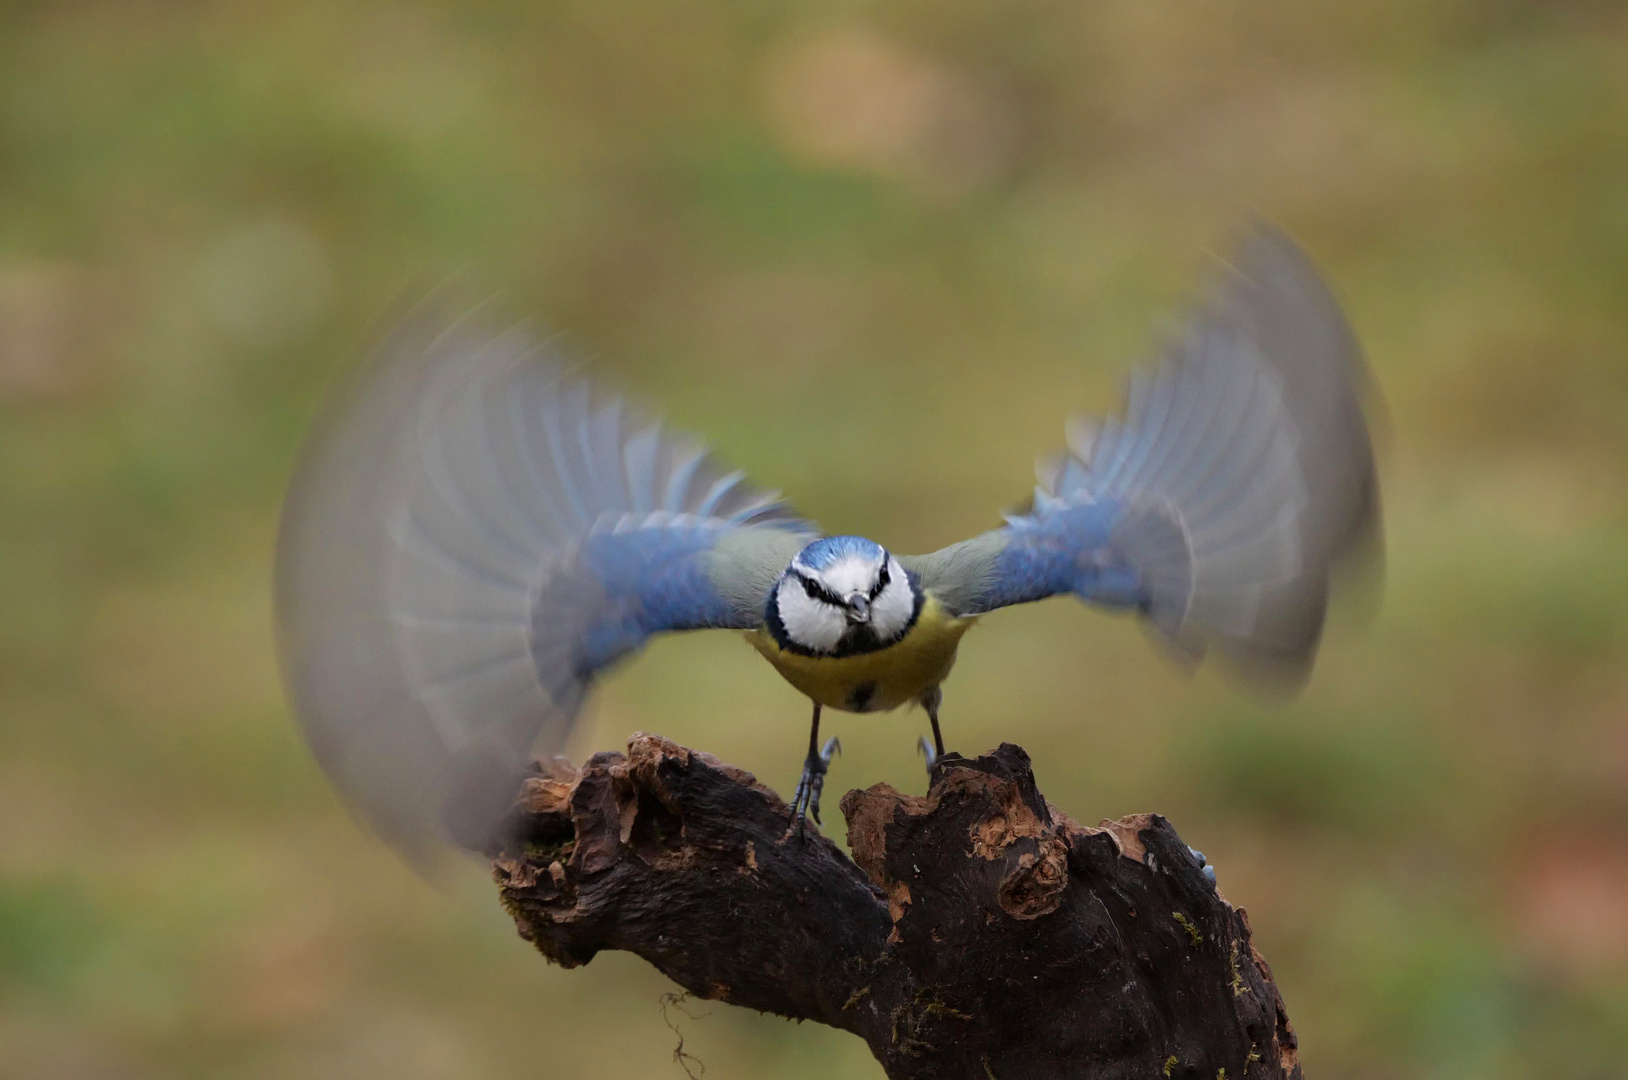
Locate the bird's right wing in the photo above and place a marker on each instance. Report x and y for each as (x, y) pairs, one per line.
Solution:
(1219, 505)
(473, 535)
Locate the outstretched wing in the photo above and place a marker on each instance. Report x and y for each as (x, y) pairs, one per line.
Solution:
(471, 536)
(1240, 474)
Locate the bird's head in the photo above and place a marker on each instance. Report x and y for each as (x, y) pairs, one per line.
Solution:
(842, 594)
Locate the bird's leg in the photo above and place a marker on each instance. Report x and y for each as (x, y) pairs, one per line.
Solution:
(807, 798)
(931, 701)
(1203, 865)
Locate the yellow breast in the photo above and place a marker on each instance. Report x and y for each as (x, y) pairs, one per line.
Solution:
(880, 680)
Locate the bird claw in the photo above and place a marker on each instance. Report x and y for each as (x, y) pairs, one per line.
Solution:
(811, 783)
(832, 747)
(926, 746)
(1204, 865)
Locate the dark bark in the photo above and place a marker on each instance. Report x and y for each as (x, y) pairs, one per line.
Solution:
(977, 932)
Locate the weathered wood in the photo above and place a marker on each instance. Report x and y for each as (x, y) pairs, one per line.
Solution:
(977, 932)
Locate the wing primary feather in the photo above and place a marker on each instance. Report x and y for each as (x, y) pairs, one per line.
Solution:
(1238, 479)
(547, 493)
(414, 541)
(555, 426)
(721, 487)
(639, 458)
(445, 598)
(679, 479)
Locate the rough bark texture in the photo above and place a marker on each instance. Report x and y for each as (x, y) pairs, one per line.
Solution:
(976, 933)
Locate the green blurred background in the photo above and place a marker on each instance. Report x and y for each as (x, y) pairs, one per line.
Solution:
(875, 253)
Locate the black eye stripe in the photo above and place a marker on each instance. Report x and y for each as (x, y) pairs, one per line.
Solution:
(816, 591)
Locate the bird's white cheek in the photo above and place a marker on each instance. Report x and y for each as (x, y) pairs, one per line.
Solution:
(891, 610)
(809, 622)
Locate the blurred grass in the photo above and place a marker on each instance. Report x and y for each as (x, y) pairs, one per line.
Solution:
(874, 253)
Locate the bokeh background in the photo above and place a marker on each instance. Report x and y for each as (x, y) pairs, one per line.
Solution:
(875, 252)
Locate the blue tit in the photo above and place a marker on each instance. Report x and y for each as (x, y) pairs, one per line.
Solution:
(474, 534)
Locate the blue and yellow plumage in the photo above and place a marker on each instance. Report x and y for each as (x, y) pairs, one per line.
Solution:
(897, 674)
(474, 535)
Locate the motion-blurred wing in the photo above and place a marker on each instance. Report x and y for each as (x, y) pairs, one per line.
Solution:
(1239, 476)
(470, 537)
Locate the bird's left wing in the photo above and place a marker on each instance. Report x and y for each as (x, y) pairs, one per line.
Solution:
(1220, 504)
(473, 535)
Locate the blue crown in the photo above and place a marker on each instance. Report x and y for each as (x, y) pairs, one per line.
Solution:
(828, 549)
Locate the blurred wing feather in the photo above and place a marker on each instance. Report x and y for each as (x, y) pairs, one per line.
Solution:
(471, 536)
(1239, 477)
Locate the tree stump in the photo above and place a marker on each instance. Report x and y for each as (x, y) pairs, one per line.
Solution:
(977, 933)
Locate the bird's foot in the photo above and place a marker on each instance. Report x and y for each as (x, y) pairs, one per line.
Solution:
(1204, 865)
(807, 798)
(927, 751)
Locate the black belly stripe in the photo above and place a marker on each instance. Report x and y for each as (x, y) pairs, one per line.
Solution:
(861, 696)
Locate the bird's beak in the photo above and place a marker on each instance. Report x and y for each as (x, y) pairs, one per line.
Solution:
(859, 609)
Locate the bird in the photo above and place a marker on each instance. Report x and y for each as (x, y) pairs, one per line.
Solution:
(475, 532)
